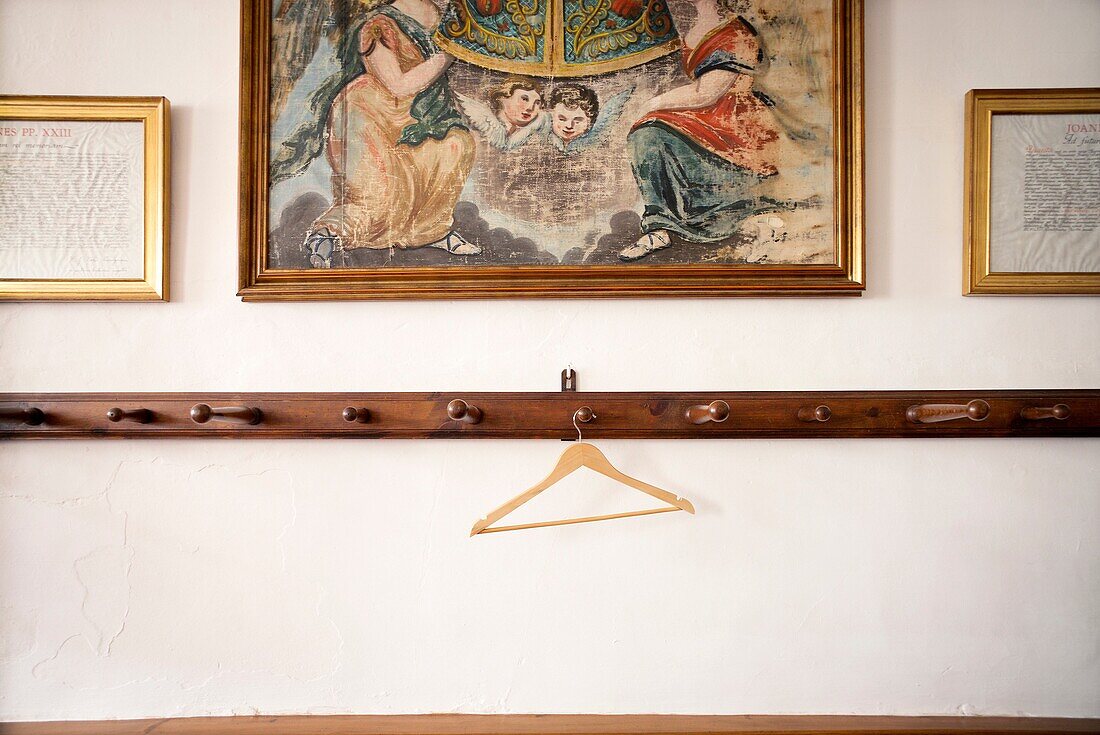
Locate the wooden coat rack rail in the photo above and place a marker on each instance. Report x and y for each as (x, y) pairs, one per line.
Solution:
(640, 415)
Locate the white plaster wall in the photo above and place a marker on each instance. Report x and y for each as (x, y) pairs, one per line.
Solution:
(188, 578)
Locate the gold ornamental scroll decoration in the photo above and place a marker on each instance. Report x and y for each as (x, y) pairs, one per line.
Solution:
(511, 47)
(581, 25)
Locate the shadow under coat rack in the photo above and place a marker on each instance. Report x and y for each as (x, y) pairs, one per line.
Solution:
(520, 415)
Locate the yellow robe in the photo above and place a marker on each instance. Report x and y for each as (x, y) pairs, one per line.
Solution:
(384, 194)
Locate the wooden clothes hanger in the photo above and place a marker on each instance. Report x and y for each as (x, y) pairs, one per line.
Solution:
(577, 456)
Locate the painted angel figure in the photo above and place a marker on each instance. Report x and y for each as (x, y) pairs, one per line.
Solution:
(513, 114)
(383, 119)
(577, 119)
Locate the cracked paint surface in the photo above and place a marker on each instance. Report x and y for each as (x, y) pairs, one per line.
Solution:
(133, 567)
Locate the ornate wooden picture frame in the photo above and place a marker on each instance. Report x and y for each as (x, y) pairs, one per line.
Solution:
(84, 198)
(1032, 192)
(400, 149)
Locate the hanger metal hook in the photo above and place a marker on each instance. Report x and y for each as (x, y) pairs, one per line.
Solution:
(585, 414)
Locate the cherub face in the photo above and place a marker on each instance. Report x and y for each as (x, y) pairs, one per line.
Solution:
(569, 123)
(521, 107)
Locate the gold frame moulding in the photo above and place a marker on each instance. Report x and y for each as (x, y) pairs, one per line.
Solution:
(844, 276)
(982, 106)
(153, 113)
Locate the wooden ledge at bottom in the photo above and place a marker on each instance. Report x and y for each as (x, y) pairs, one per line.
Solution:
(557, 725)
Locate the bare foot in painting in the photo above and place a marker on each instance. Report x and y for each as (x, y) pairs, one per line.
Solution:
(455, 244)
(321, 244)
(646, 244)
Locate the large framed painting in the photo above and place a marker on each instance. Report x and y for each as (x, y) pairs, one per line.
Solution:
(1032, 199)
(550, 148)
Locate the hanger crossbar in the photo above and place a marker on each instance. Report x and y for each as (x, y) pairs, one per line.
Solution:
(570, 521)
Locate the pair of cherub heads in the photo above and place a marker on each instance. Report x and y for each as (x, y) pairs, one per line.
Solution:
(521, 101)
(519, 109)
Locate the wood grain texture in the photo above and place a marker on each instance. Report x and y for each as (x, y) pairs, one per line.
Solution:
(752, 415)
(560, 725)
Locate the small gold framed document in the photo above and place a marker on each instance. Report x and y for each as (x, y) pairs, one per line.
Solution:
(83, 198)
(1032, 202)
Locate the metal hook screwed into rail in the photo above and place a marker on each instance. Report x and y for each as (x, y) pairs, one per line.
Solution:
(584, 414)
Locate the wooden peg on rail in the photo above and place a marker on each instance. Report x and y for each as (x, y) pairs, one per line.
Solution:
(821, 414)
(202, 413)
(932, 413)
(138, 416)
(715, 411)
(1059, 411)
(357, 415)
(459, 410)
(29, 416)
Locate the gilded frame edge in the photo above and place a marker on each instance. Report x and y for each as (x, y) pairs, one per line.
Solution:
(981, 106)
(845, 277)
(155, 115)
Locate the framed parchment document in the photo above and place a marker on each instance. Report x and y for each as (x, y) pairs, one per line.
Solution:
(1032, 206)
(411, 149)
(83, 198)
